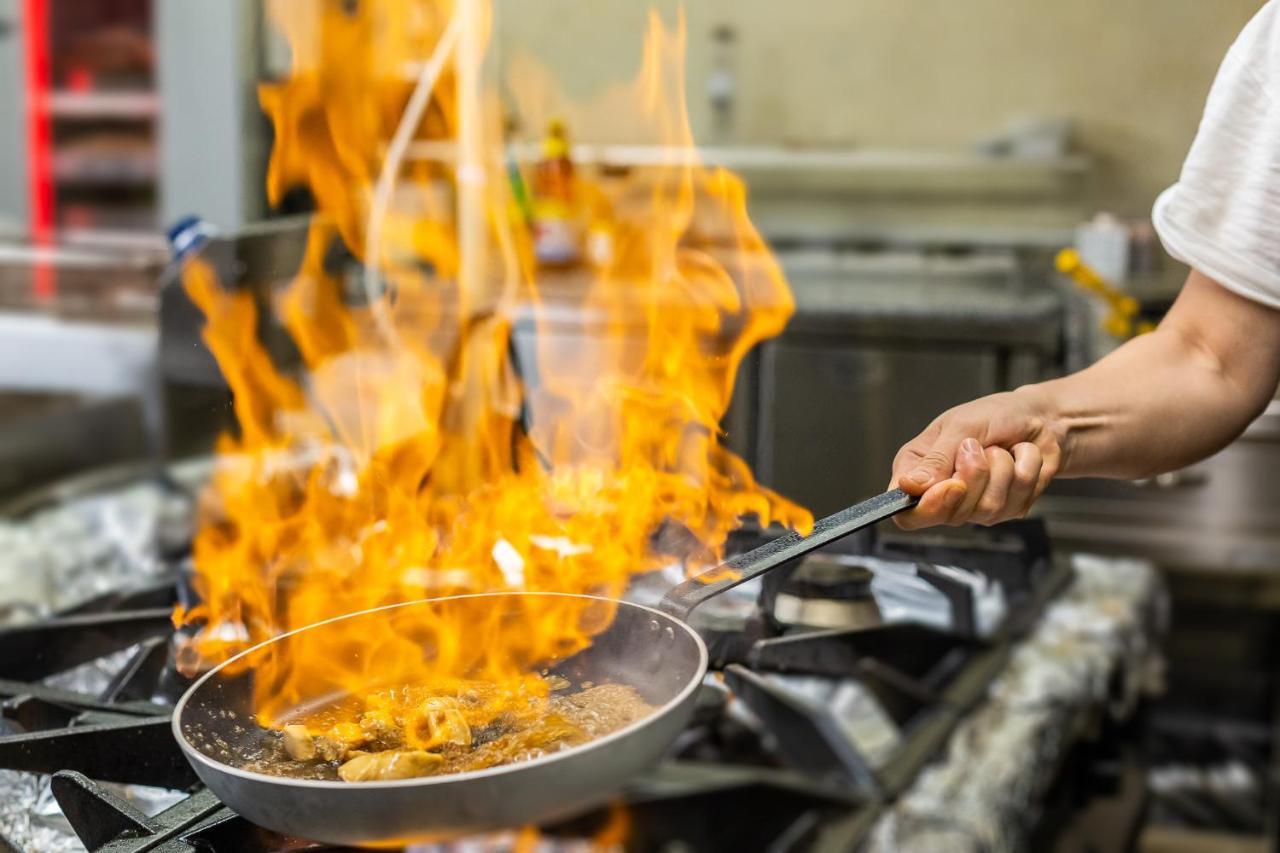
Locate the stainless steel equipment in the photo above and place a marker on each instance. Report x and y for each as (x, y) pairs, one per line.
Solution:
(880, 344)
(47, 436)
(653, 651)
(77, 359)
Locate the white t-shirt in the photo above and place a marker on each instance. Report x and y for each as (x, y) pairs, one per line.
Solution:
(1222, 217)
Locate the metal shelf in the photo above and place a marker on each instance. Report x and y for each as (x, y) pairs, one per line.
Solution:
(793, 160)
(103, 105)
(104, 169)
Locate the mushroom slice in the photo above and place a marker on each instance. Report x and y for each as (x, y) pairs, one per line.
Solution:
(298, 742)
(392, 764)
(438, 722)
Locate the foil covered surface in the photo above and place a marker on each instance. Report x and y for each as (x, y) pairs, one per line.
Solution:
(66, 554)
(32, 822)
(93, 677)
(982, 795)
(30, 819)
(20, 823)
(57, 557)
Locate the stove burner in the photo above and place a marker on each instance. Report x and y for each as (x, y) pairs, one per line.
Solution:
(116, 736)
(827, 592)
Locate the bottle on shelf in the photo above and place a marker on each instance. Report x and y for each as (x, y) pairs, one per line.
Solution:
(557, 238)
(1103, 243)
(722, 83)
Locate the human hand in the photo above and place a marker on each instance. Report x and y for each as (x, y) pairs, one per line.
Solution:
(983, 462)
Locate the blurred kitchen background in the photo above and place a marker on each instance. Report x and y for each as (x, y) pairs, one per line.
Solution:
(918, 168)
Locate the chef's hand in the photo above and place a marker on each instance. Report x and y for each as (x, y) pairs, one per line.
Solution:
(982, 462)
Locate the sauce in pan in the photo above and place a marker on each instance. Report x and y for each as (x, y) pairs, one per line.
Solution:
(415, 735)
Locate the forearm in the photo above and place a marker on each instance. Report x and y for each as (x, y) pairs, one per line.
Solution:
(1156, 404)
(1170, 398)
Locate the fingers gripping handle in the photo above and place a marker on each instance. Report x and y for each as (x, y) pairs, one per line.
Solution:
(682, 600)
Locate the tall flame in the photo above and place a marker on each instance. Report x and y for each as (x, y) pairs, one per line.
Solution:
(474, 428)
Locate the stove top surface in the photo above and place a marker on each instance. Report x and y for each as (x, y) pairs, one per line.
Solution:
(810, 725)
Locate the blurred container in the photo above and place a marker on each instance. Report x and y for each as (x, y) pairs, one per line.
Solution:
(1032, 138)
(722, 84)
(1103, 243)
(556, 234)
(1145, 254)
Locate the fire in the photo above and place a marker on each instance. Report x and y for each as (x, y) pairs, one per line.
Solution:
(481, 424)
(611, 836)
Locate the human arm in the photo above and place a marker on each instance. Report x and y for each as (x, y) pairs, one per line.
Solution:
(1160, 402)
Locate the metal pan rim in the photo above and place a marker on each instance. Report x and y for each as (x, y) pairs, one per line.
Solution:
(195, 756)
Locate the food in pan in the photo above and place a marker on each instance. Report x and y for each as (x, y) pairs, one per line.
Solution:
(409, 732)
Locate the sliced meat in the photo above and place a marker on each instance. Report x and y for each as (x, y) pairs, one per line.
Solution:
(381, 730)
(437, 723)
(392, 764)
(298, 743)
(339, 740)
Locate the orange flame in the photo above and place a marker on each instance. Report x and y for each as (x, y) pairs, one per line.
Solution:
(611, 836)
(430, 447)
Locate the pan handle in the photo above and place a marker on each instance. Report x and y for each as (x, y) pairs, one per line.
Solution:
(681, 600)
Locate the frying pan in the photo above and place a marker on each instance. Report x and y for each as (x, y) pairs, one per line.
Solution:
(653, 650)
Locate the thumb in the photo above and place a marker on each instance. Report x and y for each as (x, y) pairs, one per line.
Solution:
(926, 469)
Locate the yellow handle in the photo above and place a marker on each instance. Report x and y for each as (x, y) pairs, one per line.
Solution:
(1120, 322)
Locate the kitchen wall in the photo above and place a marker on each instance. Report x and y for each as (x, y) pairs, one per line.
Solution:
(913, 72)
(213, 141)
(13, 124)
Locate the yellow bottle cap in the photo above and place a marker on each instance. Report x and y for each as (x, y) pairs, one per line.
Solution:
(556, 143)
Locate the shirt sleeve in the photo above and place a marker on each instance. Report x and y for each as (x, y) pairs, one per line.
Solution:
(1222, 217)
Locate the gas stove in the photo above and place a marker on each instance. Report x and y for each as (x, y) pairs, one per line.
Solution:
(835, 691)
(833, 685)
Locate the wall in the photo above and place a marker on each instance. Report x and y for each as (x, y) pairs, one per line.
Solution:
(13, 122)
(920, 72)
(212, 149)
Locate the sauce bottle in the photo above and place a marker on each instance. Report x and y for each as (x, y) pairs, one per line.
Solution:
(556, 238)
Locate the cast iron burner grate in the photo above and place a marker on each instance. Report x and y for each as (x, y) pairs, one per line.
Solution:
(781, 732)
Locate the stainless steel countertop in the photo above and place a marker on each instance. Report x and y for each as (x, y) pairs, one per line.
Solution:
(928, 311)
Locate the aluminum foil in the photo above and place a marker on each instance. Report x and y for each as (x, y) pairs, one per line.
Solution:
(20, 824)
(903, 596)
(66, 554)
(93, 677)
(853, 708)
(29, 815)
(982, 795)
(58, 557)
